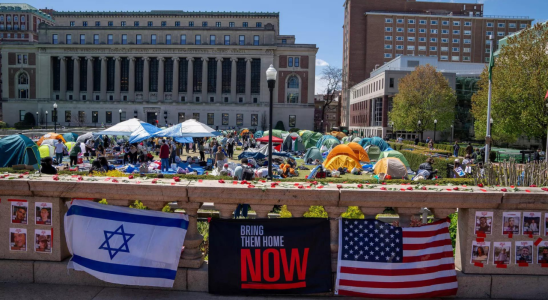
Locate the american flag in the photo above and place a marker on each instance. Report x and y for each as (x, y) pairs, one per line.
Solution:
(378, 260)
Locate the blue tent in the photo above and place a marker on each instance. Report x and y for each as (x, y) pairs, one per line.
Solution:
(184, 140)
(18, 149)
(322, 140)
(379, 142)
(145, 132)
(189, 128)
(70, 137)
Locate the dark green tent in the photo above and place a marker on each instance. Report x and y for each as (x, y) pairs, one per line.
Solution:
(18, 149)
(313, 153)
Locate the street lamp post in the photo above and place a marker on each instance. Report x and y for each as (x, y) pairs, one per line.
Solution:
(271, 75)
(165, 117)
(46, 120)
(435, 125)
(488, 132)
(120, 111)
(95, 117)
(37, 118)
(156, 119)
(420, 129)
(55, 116)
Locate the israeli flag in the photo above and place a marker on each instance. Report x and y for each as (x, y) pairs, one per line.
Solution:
(125, 245)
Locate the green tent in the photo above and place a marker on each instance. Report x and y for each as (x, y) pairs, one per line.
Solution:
(313, 153)
(345, 140)
(328, 141)
(70, 137)
(373, 151)
(357, 140)
(18, 149)
(310, 138)
(277, 133)
(397, 154)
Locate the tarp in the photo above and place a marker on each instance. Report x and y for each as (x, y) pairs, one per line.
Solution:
(50, 136)
(338, 134)
(374, 152)
(189, 128)
(46, 150)
(342, 161)
(327, 140)
(146, 131)
(260, 153)
(397, 154)
(275, 139)
(18, 149)
(341, 150)
(70, 137)
(83, 138)
(184, 140)
(313, 153)
(359, 152)
(391, 166)
(310, 138)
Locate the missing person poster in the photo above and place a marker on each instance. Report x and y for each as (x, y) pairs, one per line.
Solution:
(531, 223)
(480, 252)
(546, 224)
(19, 211)
(501, 253)
(524, 252)
(484, 222)
(542, 257)
(269, 256)
(42, 241)
(510, 222)
(43, 213)
(18, 239)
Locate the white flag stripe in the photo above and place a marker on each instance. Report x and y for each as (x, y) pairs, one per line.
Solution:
(426, 228)
(398, 266)
(404, 278)
(433, 250)
(414, 241)
(403, 291)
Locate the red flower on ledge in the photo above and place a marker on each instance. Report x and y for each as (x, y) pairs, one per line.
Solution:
(115, 180)
(176, 179)
(339, 186)
(130, 177)
(504, 190)
(409, 188)
(480, 184)
(56, 178)
(154, 180)
(360, 186)
(383, 188)
(456, 188)
(221, 181)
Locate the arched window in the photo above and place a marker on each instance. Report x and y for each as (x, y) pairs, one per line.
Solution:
(23, 85)
(23, 78)
(293, 82)
(22, 18)
(15, 18)
(292, 90)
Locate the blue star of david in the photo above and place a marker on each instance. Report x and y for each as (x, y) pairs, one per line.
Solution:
(123, 248)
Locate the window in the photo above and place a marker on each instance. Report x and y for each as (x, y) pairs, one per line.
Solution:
(138, 39)
(204, 24)
(399, 47)
(217, 24)
(422, 30)
(212, 40)
(411, 21)
(197, 99)
(388, 20)
(467, 32)
(124, 39)
(22, 115)
(241, 99)
(256, 40)
(400, 21)
(258, 24)
(149, 23)
(231, 24)
(433, 40)
(467, 23)
(9, 18)
(455, 58)
(123, 23)
(433, 48)
(71, 22)
(512, 25)
(410, 39)
(445, 23)
(522, 26)
(399, 29)
(109, 39)
(455, 49)
(244, 24)
(456, 41)
(293, 89)
(242, 40)
(411, 48)
(433, 22)
(500, 33)
(466, 50)
(388, 29)
(210, 119)
(110, 23)
(163, 23)
(168, 39)
(96, 39)
(82, 39)
(399, 38)
(387, 46)
(97, 23)
(198, 39)
(68, 40)
(422, 39)
(422, 22)
(456, 31)
(489, 24)
(456, 23)
(290, 61)
(411, 30)
(94, 116)
(177, 23)
(433, 31)
(153, 39)
(387, 38)
(108, 117)
(388, 55)
(444, 57)
(466, 58)
(297, 62)
(227, 39)
(55, 39)
(422, 48)
(467, 41)
(501, 25)
(190, 23)
(183, 39)
(136, 23)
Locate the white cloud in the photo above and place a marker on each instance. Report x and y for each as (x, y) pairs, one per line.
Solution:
(321, 85)
(321, 63)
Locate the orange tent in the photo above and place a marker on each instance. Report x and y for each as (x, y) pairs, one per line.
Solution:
(359, 151)
(341, 150)
(51, 136)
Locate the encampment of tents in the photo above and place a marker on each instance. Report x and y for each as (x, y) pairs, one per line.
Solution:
(377, 141)
(313, 153)
(18, 149)
(50, 136)
(342, 161)
(391, 166)
(310, 138)
(341, 150)
(359, 152)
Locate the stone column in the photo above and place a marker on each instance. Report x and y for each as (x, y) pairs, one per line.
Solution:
(76, 78)
(160, 96)
(89, 78)
(248, 80)
(406, 214)
(63, 78)
(146, 79)
(204, 79)
(190, 79)
(233, 81)
(384, 111)
(219, 86)
(226, 210)
(298, 211)
(117, 78)
(131, 79)
(103, 78)
(175, 90)
(192, 256)
(262, 210)
(334, 212)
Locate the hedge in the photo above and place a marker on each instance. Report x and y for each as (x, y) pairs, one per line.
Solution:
(447, 149)
(416, 158)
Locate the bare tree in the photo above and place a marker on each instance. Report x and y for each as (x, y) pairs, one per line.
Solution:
(332, 76)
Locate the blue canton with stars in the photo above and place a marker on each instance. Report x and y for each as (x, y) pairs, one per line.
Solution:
(371, 241)
(123, 248)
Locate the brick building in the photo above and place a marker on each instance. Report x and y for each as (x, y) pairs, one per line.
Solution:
(375, 32)
(331, 115)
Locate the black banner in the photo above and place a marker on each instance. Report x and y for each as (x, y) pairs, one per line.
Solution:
(269, 256)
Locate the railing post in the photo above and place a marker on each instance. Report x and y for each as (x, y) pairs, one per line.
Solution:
(406, 214)
(226, 210)
(334, 213)
(262, 210)
(371, 212)
(298, 211)
(442, 213)
(192, 256)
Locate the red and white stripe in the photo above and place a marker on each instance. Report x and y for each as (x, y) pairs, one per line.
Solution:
(427, 270)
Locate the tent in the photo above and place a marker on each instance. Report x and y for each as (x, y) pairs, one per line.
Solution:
(49, 143)
(18, 149)
(359, 152)
(275, 132)
(69, 145)
(244, 131)
(328, 141)
(275, 140)
(313, 153)
(374, 152)
(338, 134)
(301, 132)
(341, 150)
(146, 131)
(261, 153)
(46, 150)
(357, 140)
(310, 138)
(189, 128)
(345, 140)
(365, 142)
(70, 137)
(258, 134)
(391, 166)
(83, 138)
(184, 140)
(342, 161)
(397, 154)
(50, 136)
(293, 142)
(125, 128)
(377, 141)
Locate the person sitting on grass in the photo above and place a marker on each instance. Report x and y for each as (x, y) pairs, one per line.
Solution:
(96, 167)
(47, 166)
(427, 165)
(104, 163)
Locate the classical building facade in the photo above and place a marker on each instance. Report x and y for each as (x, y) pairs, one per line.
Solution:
(375, 32)
(166, 66)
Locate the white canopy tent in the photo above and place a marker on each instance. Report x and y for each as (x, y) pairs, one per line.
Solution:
(189, 128)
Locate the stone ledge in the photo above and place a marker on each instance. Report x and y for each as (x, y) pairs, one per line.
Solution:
(473, 286)
(16, 271)
(197, 279)
(528, 287)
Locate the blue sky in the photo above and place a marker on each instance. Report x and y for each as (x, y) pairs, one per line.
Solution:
(311, 21)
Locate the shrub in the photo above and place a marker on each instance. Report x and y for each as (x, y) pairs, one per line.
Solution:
(21, 125)
(29, 120)
(3, 125)
(453, 229)
(316, 212)
(138, 205)
(353, 212)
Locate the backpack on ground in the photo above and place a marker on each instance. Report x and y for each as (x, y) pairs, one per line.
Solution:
(247, 173)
